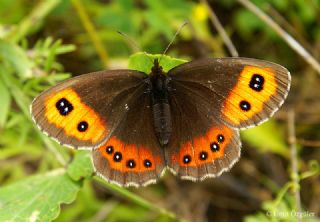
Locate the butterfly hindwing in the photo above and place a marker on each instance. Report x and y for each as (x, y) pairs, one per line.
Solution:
(246, 92)
(201, 145)
(132, 156)
(83, 111)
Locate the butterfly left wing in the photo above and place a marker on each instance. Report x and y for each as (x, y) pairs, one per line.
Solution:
(83, 111)
(132, 156)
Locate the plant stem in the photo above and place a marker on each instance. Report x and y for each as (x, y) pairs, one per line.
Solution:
(138, 200)
(295, 45)
(216, 23)
(294, 161)
(89, 27)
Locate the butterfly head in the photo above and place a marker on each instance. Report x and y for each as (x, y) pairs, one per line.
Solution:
(158, 77)
(156, 69)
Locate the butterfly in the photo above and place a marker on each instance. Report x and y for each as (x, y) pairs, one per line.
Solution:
(186, 120)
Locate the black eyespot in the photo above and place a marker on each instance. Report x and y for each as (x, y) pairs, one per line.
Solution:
(203, 155)
(64, 106)
(117, 157)
(187, 159)
(214, 147)
(109, 149)
(131, 164)
(83, 126)
(147, 163)
(220, 138)
(256, 82)
(245, 105)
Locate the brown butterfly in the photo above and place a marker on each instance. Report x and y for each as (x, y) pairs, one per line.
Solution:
(186, 120)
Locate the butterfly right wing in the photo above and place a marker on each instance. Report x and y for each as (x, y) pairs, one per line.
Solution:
(83, 111)
(246, 92)
(211, 100)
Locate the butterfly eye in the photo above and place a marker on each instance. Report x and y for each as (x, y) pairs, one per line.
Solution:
(187, 159)
(117, 157)
(203, 155)
(220, 138)
(214, 147)
(64, 106)
(147, 163)
(245, 105)
(83, 126)
(256, 82)
(131, 164)
(109, 149)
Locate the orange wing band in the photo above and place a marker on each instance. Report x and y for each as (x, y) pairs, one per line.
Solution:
(204, 149)
(96, 130)
(242, 91)
(129, 157)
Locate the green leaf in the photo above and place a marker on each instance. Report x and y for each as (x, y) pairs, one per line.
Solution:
(267, 137)
(160, 22)
(127, 213)
(143, 62)
(259, 217)
(281, 4)
(16, 57)
(124, 11)
(306, 12)
(247, 23)
(37, 198)
(81, 166)
(138, 200)
(80, 206)
(5, 99)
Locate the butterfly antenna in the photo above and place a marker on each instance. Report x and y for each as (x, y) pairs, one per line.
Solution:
(173, 39)
(133, 44)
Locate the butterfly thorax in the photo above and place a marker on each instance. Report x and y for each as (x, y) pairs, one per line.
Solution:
(158, 82)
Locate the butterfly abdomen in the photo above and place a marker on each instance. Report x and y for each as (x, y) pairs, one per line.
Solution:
(158, 82)
(162, 122)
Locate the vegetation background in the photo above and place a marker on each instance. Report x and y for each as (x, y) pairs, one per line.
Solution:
(44, 42)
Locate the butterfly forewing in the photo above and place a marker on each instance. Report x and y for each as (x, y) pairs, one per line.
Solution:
(245, 92)
(83, 111)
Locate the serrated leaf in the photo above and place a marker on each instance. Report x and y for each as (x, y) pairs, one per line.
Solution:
(81, 166)
(16, 57)
(267, 137)
(143, 62)
(37, 198)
